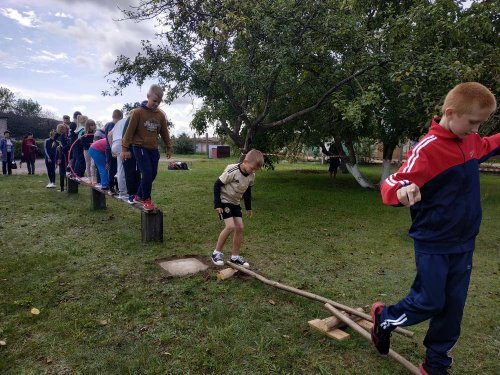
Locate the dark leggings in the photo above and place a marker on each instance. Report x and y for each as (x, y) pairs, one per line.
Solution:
(62, 173)
(51, 170)
(31, 166)
(7, 165)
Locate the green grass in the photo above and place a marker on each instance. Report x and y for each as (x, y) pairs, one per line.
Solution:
(329, 237)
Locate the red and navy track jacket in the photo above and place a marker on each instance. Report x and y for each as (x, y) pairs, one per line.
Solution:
(446, 169)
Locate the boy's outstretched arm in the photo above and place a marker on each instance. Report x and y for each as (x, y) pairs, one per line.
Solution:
(403, 187)
(487, 147)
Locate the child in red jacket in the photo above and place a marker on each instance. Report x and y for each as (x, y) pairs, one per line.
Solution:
(439, 181)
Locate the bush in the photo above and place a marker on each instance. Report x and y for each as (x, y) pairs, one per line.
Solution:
(17, 149)
(183, 144)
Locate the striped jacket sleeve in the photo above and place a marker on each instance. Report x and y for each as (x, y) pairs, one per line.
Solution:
(487, 147)
(413, 171)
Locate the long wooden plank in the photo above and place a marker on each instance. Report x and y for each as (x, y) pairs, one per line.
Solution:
(312, 296)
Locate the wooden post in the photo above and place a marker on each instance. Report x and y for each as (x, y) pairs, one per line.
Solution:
(72, 186)
(152, 226)
(397, 357)
(97, 200)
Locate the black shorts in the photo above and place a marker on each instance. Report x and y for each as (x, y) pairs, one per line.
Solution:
(231, 210)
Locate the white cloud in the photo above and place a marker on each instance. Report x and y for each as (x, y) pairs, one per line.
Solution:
(8, 38)
(63, 15)
(27, 40)
(49, 56)
(83, 61)
(53, 95)
(40, 71)
(27, 19)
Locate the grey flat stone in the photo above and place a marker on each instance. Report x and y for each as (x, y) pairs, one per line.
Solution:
(182, 267)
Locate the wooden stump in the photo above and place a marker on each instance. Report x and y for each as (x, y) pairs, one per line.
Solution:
(152, 226)
(97, 200)
(72, 186)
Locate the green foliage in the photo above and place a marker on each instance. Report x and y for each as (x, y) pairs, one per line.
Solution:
(28, 108)
(183, 144)
(7, 99)
(270, 70)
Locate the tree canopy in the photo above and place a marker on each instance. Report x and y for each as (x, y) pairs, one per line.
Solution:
(270, 71)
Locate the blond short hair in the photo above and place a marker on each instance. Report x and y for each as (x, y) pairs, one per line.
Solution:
(81, 119)
(157, 90)
(88, 124)
(255, 157)
(464, 97)
(61, 128)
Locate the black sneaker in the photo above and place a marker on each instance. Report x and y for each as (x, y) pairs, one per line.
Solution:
(381, 338)
(427, 370)
(218, 259)
(240, 261)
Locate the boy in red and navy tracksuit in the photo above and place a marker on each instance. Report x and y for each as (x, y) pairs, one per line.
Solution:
(439, 181)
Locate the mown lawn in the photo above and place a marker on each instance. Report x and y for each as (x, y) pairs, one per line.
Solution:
(106, 308)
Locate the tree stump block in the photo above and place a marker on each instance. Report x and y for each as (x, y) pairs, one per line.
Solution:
(97, 200)
(152, 226)
(72, 186)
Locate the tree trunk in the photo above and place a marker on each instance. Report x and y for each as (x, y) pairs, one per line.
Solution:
(386, 170)
(358, 176)
(386, 161)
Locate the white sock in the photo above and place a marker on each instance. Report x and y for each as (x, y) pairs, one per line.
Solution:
(234, 257)
(217, 252)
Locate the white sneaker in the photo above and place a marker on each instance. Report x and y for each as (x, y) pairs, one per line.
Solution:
(240, 261)
(218, 259)
(49, 185)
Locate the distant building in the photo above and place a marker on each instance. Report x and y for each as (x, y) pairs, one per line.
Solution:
(206, 144)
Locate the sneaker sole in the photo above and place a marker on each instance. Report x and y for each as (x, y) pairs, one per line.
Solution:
(373, 310)
(214, 262)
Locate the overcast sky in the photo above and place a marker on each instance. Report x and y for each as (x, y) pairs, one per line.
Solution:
(58, 53)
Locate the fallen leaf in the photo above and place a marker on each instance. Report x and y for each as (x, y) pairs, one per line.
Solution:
(166, 353)
(35, 311)
(103, 322)
(286, 336)
(3, 343)
(48, 360)
(272, 302)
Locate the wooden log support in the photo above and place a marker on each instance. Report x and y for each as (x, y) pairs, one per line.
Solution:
(97, 200)
(392, 354)
(225, 274)
(333, 333)
(312, 296)
(72, 186)
(332, 322)
(152, 226)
